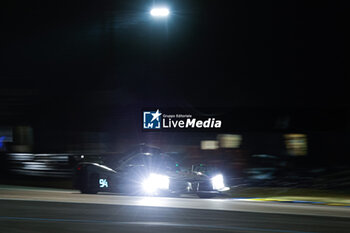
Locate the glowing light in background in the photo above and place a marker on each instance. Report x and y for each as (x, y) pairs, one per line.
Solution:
(1, 141)
(209, 144)
(296, 144)
(160, 12)
(229, 140)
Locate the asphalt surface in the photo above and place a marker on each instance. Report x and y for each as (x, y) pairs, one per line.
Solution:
(35, 210)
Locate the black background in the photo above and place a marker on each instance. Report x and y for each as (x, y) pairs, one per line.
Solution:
(92, 65)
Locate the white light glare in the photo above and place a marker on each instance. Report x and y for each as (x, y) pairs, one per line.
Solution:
(160, 12)
(218, 182)
(155, 182)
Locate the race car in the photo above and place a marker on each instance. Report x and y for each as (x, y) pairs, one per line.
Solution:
(146, 171)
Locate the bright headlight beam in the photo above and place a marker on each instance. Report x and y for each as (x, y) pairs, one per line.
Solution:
(155, 182)
(160, 12)
(218, 182)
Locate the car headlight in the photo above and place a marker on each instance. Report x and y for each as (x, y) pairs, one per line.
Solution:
(155, 182)
(218, 182)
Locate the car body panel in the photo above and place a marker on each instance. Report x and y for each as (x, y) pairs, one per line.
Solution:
(132, 169)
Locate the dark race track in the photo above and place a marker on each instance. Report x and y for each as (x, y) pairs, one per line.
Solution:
(29, 215)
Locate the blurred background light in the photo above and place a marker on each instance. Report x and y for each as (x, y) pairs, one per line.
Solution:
(209, 144)
(159, 12)
(229, 140)
(296, 144)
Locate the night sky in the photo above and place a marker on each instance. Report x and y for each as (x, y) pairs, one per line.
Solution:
(88, 61)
